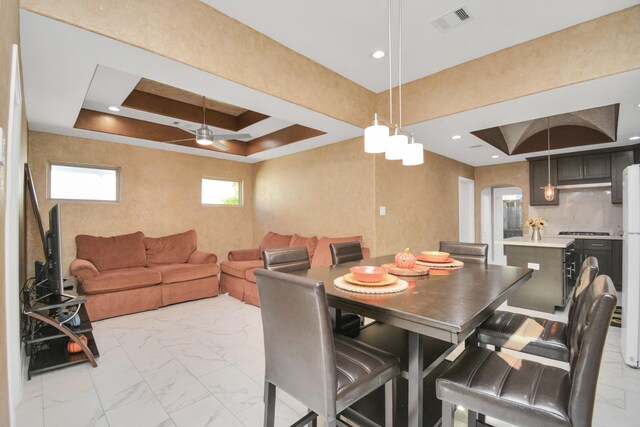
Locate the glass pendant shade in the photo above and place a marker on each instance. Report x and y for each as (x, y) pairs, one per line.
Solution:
(396, 148)
(376, 138)
(549, 192)
(413, 155)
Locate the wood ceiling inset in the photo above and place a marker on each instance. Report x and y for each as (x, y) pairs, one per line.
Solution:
(586, 127)
(157, 98)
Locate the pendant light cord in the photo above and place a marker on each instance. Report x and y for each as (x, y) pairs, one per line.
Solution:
(549, 151)
(400, 61)
(204, 111)
(390, 82)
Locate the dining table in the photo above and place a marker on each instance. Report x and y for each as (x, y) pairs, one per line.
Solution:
(444, 305)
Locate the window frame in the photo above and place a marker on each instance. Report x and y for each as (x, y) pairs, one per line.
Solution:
(117, 170)
(240, 192)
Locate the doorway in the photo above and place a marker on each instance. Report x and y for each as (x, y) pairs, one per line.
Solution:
(501, 218)
(466, 211)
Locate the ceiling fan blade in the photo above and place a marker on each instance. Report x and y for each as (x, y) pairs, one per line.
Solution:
(219, 145)
(233, 136)
(178, 140)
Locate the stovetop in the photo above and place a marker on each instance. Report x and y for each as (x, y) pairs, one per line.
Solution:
(584, 233)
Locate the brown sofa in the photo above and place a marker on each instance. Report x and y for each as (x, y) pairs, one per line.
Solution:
(131, 273)
(237, 276)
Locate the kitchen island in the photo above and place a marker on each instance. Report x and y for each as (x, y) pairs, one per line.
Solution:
(555, 270)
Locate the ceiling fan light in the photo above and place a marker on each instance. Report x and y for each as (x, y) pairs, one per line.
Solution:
(203, 136)
(396, 147)
(413, 155)
(204, 141)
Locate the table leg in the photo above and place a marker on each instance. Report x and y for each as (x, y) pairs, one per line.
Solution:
(416, 360)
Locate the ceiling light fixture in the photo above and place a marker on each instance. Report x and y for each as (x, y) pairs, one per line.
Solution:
(495, 156)
(634, 138)
(378, 54)
(549, 190)
(376, 136)
(456, 137)
(114, 109)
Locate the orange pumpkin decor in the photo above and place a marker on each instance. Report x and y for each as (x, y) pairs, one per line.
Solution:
(73, 347)
(405, 259)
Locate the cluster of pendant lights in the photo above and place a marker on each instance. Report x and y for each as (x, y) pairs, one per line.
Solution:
(376, 137)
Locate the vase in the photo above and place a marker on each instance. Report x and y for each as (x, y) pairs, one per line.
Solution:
(535, 234)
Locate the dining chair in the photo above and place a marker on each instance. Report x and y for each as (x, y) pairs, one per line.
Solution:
(527, 393)
(470, 253)
(345, 252)
(287, 259)
(325, 372)
(535, 335)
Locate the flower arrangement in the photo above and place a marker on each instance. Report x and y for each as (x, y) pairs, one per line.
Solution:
(536, 222)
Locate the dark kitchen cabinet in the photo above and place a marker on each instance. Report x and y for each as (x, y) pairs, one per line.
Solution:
(619, 161)
(608, 254)
(579, 168)
(636, 155)
(538, 178)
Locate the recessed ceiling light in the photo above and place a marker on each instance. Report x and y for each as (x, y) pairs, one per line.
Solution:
(378, 54)
(115, 109)
(495, 156)
(456, 137)
(634, 138)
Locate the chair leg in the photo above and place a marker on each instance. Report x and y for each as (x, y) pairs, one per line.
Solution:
(472, 418)
(314, 422)
(447, 414)
(390, 403)
(269, 404)
(482, 418)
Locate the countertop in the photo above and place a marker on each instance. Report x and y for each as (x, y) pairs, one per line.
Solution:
(545, 242)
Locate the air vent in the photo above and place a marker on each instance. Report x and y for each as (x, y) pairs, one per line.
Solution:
(476, 146)
(452, 19)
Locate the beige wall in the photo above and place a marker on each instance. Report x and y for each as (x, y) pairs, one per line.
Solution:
(191, 32)
(421, 203)
(598, 48)
(326, 191)
(159, 195)
(507, 175)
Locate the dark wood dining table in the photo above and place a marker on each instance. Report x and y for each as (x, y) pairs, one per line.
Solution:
(447, 306)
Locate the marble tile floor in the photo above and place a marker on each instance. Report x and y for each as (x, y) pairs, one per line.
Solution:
(201, 363)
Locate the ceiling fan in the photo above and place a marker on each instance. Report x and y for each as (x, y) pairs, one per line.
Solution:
(205, 136)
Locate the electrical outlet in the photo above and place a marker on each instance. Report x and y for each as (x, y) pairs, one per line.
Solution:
(383, 210)
(533, 265)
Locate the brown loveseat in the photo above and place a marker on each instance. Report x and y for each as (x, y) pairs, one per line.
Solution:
(237, 276)
(131, 273)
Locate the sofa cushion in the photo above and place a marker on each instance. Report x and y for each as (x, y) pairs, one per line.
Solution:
(173, 273)
(274, 240)
(322, 256)
(109, 253)
(173, 249)
(239, 268)
(309, 242)
(121, 279)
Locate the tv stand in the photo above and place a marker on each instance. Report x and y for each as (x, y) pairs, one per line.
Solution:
(46, 338)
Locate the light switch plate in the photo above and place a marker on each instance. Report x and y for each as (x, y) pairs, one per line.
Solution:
(533, 265)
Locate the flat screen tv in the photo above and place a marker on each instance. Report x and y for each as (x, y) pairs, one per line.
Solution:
(49, 273)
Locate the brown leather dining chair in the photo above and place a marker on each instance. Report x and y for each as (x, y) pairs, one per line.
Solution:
(535, 335)
(527, 393)
(325, 372)
(347, 324)
(286, 260)
(470, 253)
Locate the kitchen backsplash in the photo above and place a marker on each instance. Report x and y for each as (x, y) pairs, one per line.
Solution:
(580, 210)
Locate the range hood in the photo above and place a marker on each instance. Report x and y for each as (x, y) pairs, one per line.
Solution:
(579, 186)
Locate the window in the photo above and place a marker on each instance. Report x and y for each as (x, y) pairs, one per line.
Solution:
(221, 192)
(83, 183)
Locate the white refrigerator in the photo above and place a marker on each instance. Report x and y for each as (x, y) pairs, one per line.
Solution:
(630, 333)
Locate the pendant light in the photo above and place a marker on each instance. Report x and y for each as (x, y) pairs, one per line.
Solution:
(413, 154)
(376, 137)
(549, 190)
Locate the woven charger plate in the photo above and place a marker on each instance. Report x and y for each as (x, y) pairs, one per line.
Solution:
(455, 265)
(399, 286)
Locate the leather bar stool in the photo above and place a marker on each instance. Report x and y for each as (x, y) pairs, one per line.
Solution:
(347, 324)
(527, 393)
(324, 372)
(535, 335)
(470, 253)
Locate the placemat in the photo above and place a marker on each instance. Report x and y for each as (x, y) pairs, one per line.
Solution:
(455, 265)
(399, 286)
